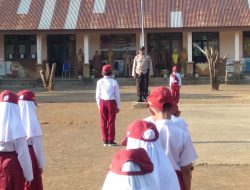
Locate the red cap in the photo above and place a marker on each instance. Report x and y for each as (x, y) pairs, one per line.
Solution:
(138, 156)
(160, 96)
(136, 130)
(174, 69)
(8, 96)
(106, 69)
(27, 95)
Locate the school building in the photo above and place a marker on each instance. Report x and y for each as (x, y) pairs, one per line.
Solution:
(34, 32)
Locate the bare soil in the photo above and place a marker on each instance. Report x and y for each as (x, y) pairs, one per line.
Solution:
(76, 159)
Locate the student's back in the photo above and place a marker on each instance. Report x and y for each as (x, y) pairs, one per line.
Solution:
(176, 143)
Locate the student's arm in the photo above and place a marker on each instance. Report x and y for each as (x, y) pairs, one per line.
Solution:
(24, 159)
(117, 96)
(170, 80)
(187, 176)
(188, 156)
(134, 67)
(39, 151)
(98, 93)
(179, 77)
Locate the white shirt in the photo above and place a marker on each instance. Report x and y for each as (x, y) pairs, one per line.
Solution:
(176, 143)
(141, 64)
(20, 147)
(37, 144)
(172, 79)
(29, 118)
(180, 122)
(163, 169)
(12, 136)
(32, 129)
(107, 89)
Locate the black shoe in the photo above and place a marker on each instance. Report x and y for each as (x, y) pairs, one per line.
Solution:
(105, 143)
(140, 100)
(112, 143)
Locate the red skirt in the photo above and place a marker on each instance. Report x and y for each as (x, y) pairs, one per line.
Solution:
(11, 173)
(180, 179)
(36, 183)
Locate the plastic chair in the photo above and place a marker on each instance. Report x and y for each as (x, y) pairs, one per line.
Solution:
(66, 70)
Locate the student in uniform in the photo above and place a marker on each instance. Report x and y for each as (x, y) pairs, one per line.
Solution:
(108, 102)
(142, 70)
(16, 168)
(175, 84)
(142, 134)
(130, 170)
(34, 134)
(175, 117)
(175, 141)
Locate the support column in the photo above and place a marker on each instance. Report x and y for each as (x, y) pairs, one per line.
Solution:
(190, 63)
(2, 47)
(237, 55)
(237, 45)
(86, 66)
(190, 46)
(39, 62)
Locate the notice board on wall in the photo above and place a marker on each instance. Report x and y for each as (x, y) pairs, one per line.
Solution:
(2, 68)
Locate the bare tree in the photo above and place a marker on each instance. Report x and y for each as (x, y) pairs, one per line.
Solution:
(213, 61)
(47, 76)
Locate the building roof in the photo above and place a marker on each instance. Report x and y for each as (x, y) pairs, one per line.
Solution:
(122, 14)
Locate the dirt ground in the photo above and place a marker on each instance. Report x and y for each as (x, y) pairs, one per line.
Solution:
(76, 159)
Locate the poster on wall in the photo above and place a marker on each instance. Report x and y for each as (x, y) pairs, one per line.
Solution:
(230, 65)
(21, 48)
(33, 51)
(2, 68)
(10, 56)
(8, 68)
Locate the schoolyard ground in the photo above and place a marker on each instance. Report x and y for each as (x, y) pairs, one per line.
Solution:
(76, 159)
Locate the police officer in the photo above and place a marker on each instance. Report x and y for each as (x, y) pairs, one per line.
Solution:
(142, 70)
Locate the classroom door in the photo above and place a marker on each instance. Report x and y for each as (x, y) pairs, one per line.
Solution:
(61, 49)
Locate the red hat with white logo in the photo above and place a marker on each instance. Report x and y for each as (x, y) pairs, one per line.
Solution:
(137, 130)
(27, 95)
(8, 96)
(106, 69)
(10, 121)
(137, 156)
(131, 169)
(160, 96)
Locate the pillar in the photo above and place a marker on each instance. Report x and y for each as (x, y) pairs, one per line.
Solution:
(237, 55)
(39, 48)
(190, 63)
(237, 45)
(86, 66)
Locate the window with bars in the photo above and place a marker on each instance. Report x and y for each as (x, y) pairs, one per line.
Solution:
(20, 47)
